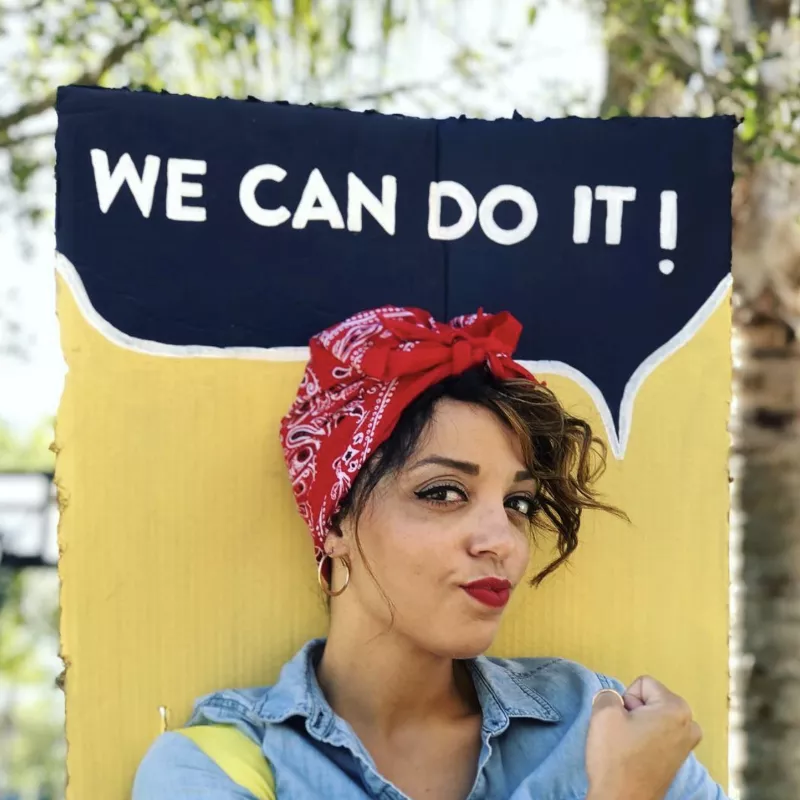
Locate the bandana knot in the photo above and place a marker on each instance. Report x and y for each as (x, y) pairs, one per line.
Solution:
(412, 348)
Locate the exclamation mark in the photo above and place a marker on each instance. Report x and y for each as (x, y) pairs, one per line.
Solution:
(669, 228)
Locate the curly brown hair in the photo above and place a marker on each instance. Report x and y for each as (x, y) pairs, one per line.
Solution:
(559, 450)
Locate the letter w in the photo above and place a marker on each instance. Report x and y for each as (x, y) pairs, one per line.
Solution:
(109, 183)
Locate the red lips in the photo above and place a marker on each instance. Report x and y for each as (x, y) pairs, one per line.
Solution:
(492, 592)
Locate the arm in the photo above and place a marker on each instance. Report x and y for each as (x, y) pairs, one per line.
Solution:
(176, 769)
(640, 743)
(694, 783)
(691, 783)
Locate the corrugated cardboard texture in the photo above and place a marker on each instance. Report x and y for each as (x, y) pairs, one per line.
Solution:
(185, 567)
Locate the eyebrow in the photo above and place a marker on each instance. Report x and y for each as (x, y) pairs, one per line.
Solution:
(466, 466)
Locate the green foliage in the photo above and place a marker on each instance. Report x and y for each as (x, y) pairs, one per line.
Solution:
(31, 708)
(30, 453)
(658, 66)
(38, 750)
(19, 632)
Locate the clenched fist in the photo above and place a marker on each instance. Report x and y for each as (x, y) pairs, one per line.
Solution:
(637, 744)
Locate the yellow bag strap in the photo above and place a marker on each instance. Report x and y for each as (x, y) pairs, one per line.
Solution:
(237, 755)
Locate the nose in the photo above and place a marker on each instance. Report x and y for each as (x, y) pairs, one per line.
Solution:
(492, 533)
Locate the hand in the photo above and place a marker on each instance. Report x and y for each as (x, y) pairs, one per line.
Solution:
(634, 751)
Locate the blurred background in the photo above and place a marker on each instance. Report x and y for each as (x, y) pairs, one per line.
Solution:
(483, 58)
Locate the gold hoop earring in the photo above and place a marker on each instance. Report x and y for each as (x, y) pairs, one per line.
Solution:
(324, 585)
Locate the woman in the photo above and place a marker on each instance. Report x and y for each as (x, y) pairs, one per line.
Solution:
(424, 460)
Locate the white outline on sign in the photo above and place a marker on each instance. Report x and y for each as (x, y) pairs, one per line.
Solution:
(66, 269)
(617, 441)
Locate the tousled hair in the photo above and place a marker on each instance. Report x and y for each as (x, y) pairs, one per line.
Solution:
(559, 450)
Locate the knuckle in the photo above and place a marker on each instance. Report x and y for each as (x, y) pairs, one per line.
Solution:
(682, 711)
(696, 734)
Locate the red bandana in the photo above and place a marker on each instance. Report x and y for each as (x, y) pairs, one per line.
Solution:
(361, 375)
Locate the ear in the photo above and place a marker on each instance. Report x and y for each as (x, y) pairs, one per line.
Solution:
(337, 544)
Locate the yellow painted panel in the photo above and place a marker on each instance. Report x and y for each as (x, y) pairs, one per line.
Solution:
(185, 567)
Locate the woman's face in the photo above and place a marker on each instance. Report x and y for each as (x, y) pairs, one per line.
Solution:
(458, 512)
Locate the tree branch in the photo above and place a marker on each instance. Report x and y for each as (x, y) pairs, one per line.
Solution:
(677, 53)
(90, 77)
(412, 87)
(381, 94)
(25, 138)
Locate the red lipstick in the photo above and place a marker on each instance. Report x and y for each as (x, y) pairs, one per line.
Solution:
(492, 592)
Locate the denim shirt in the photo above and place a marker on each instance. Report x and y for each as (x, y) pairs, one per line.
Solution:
(535, 718)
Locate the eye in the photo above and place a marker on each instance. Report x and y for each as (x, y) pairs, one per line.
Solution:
(523, 504)
(442, 493)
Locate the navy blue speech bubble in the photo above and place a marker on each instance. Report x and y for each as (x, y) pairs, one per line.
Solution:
(239, 229)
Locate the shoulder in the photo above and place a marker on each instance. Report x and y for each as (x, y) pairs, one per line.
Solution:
(174, 768)
(555, 674)
(240, 707)
(253, 708)
(567, 686)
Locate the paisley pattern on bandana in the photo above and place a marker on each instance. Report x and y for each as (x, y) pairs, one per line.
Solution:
(361, 375)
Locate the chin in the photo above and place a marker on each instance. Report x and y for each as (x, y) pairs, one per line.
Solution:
(470, 642)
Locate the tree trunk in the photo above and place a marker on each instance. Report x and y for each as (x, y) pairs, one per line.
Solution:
(766, 471)
(767, 493)
(766, 460)
(765, 529)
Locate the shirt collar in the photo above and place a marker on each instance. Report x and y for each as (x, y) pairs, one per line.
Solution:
(297, 691)
(504, 690)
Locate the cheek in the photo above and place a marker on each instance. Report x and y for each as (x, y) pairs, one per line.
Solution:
(408, 548)
(519, 555)
(401, 541)
(525, 549)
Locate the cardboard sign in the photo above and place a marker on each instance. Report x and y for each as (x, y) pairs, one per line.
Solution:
(202, 242)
